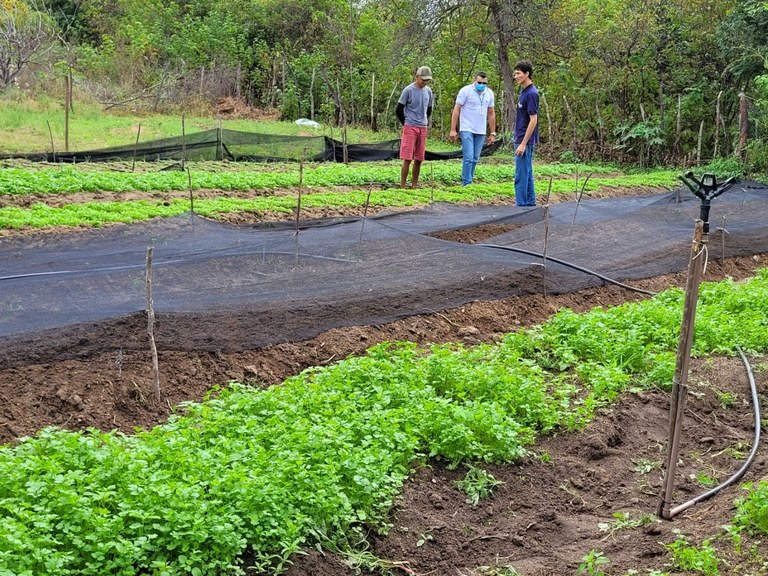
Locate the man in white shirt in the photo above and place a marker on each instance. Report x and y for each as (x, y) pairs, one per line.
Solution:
(472, 113)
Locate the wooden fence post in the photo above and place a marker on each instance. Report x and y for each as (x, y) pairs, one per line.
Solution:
(151, 326)
(743, 126)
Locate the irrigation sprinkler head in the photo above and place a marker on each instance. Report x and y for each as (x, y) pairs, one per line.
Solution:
(706, 190)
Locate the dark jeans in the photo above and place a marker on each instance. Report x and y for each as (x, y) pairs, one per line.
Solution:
(524, 193)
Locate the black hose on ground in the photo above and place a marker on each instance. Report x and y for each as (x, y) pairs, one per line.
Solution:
(737, 476)
(569, 265)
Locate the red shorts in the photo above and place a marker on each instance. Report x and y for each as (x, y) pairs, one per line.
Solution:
(413, 143)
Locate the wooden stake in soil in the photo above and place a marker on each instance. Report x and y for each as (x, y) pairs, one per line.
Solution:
(151, 326)
(365, 210)
(312, 95)
(723, 232)
(301, 182)
(183, 142)
(219, 143)
(67, 106)
(717, 124)
(135, 149)
(601, 129)
(367, 201)
(546, 234)
(386, 109)
(373, 94)
(678, 127)
(698, 147)
(578, 202)
(680, 379)
(50, 133)
(432, 184)
(571, 121)
(191, 196)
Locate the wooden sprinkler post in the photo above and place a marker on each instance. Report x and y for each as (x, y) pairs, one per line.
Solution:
(705, 189)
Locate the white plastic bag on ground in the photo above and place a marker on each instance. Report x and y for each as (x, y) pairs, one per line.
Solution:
(307, 122)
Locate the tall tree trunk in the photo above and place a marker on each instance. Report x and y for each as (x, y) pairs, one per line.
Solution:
(503, 42)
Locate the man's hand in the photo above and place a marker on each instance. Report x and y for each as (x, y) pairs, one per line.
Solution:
(520, 150)
(491, 139)
(453, 135)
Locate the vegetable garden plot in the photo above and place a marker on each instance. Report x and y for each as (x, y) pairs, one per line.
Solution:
(278, 285)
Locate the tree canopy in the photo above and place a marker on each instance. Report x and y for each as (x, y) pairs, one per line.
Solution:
(638, 79)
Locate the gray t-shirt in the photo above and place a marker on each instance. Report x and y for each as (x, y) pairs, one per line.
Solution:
(416, 101)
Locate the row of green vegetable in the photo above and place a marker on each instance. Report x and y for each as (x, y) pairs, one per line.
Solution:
(269, 471)
(373, 185)
(68, 178)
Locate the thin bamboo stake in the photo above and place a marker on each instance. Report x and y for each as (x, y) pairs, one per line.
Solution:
(183, 140)
(191, 196)
(50, 133)
(367, 201)
(365, 209)
(571, 120)
(546, 234)
(698, 147)
(151, 326)
(135, 149)
(601, 129)
(386, 110)
(67, 105)
(717, 124)
(578, 202)
(312, 95)
(373, 93)
(301, 184)
(723, 233)
(678, 126)
(219, 143)
(441, 115)
(431, 184)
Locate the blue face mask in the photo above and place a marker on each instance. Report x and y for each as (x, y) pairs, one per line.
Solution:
(479, 87)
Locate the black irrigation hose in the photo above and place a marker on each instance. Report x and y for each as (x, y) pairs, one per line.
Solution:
(737, 476)
(569, 265)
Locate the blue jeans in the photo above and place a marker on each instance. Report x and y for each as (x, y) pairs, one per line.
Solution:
(471, 145)
(524, 194)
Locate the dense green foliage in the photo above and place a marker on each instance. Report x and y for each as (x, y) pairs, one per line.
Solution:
(271, 470)
(622, 80)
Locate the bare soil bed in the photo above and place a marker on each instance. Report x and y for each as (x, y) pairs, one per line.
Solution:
(546, 515)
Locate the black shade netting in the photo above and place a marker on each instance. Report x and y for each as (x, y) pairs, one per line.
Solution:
(239, 146)
(225, 287)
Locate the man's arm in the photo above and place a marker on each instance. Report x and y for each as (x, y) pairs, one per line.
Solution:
(534, 120)
(454, 122)
(400, 113)
(492, 124)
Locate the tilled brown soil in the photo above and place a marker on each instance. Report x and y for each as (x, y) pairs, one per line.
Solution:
(551, 510)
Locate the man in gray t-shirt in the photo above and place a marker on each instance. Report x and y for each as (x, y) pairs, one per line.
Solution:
(413, 110)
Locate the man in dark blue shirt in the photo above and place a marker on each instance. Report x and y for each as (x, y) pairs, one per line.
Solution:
(526, 134)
